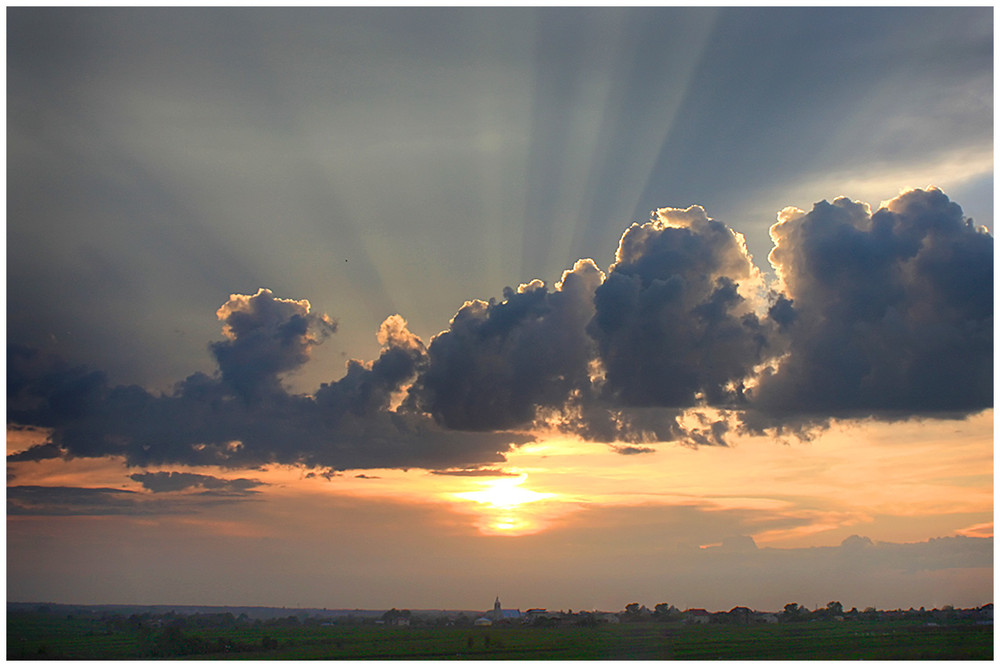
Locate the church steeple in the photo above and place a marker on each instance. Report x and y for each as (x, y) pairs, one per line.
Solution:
(497, 613)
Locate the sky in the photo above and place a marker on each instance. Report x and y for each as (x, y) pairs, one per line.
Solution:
(415, 307)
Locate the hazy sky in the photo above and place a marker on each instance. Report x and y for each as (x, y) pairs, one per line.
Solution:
(372, 307)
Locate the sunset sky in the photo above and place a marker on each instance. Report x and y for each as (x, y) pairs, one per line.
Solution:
(414, 307)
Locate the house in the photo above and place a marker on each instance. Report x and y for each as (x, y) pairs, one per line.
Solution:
(692, 616)
(740, 616)
(482, 621)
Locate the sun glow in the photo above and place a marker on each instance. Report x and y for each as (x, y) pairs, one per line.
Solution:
(501, 506)
(504, 493)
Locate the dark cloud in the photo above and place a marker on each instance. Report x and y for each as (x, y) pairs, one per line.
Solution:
(672, 324)
(499, 362)
(885, 315)
(102, 501)
(225, 421)
(159, 482)
(66, 500)
(327, 474)
(630, 450)
(265, 336)
(40, 452)
(675, 328)
(592, 418)
(370, 388)
(48, 388)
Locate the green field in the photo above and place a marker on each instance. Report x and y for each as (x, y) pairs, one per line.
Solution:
(39, 636)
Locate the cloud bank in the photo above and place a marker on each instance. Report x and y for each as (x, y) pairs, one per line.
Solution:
(885, 315)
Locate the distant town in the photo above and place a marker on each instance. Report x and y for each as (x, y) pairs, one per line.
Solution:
(159, 615)
(52, 631)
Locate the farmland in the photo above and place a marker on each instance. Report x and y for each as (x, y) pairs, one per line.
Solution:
(38, 635)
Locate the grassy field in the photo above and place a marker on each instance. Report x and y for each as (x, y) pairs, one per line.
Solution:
(38, 636)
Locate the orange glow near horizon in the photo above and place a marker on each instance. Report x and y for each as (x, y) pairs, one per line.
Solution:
(902, 482)
(979, 530)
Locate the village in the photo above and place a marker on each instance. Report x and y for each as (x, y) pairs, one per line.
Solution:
(56, 631)
(667, 613)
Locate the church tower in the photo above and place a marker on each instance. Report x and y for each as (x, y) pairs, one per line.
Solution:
(497, 611)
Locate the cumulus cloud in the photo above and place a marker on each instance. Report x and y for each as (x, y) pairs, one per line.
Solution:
(370, 387)
(673, 322)
(223, 420)
(498, 363)
(620, 357)
(265, 336)
(884, 315)
(676, 329)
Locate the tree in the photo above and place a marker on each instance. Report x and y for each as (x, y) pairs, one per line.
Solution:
(793, 612)
(632, 609)
(834, 609)
(661, 611)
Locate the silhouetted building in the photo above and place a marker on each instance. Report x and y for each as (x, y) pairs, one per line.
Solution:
(499, 614)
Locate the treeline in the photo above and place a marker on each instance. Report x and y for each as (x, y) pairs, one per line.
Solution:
(795, 613)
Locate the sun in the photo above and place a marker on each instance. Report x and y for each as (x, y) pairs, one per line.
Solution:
(503, 506)
(504, 493)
